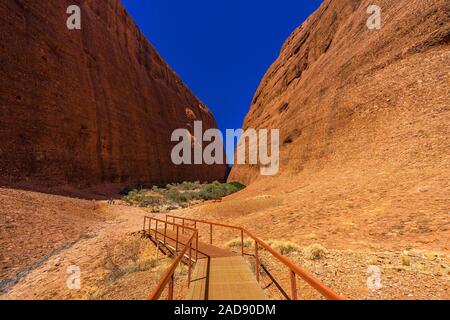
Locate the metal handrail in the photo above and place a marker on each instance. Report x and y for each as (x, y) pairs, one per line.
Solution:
(168, 277)
(294, 270)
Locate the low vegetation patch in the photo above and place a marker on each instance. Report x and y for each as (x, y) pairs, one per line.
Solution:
(316, 252)
(128, 268)
(373, 261)
(175, 196)
(236, 243)
(133, 255)
(406, 260)
(284, 247)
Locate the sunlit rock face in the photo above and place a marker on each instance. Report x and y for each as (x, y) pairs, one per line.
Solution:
(348, 96)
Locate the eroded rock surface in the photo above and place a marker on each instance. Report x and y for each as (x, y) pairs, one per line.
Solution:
(90, 106)
(363, 118)
(341, 92)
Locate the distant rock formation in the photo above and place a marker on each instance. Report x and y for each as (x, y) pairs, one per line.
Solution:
(346, 96)
(90, 106)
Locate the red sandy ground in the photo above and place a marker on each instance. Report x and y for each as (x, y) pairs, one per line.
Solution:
(44, 234)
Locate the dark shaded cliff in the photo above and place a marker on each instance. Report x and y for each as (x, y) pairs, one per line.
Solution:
(90, 106)
(341, 93)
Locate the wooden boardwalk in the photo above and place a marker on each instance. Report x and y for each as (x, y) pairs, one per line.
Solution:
(219, 274)
(205, 250)
(229, 278)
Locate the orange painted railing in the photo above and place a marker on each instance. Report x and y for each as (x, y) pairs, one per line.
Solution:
(294, 270)
(168, 279)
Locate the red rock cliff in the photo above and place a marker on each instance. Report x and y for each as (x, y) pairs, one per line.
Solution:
(88, 106)
(346, 97)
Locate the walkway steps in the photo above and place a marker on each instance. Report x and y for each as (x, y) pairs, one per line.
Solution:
(205, 250)
(219, 274)
(231, 279)
(199, 282)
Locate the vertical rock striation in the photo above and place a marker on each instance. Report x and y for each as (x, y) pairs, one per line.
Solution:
(346, 96)
(90, 106)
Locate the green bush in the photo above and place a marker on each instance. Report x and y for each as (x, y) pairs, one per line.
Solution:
(182, 193)
(149, 201)
(142, 200)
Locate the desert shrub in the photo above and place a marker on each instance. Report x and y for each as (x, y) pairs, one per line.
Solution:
(164, 264)
(181, 197)
(430, 256)
(217, 190)
(236, 243)
(141, 265)
(149, 201)
(315, 252)
(406, 260)
(133, 192)
(141, 199)
(284, 247)
(132, 249)
(183, 206)
(179, 194)
(237, 185)
(373, 261)
(132, 255)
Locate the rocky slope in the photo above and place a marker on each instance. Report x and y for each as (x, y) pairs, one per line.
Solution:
(363, 118)
(90, 106)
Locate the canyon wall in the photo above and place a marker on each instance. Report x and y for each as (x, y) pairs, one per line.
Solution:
(363, 118)
(344, 95)
(90, 106)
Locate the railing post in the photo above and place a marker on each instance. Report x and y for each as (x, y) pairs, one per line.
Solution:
(293, 285)
(211, 233)
(145, 220)
(195, 225)
(183, 226)
(189, 264)
(257, 261)
(173, 223)
(156, 231)
(242, 242)
(171, 283)
(157, 250)
(150, 228)
(196, 248)
(165, 232)
(176, 245)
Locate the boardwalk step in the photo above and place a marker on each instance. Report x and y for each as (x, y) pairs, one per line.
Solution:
(219, 274)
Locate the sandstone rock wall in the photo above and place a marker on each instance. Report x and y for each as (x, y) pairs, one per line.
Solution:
(89, 106)
(343, 95)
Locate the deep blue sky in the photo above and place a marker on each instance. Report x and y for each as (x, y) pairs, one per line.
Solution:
(220, 48)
